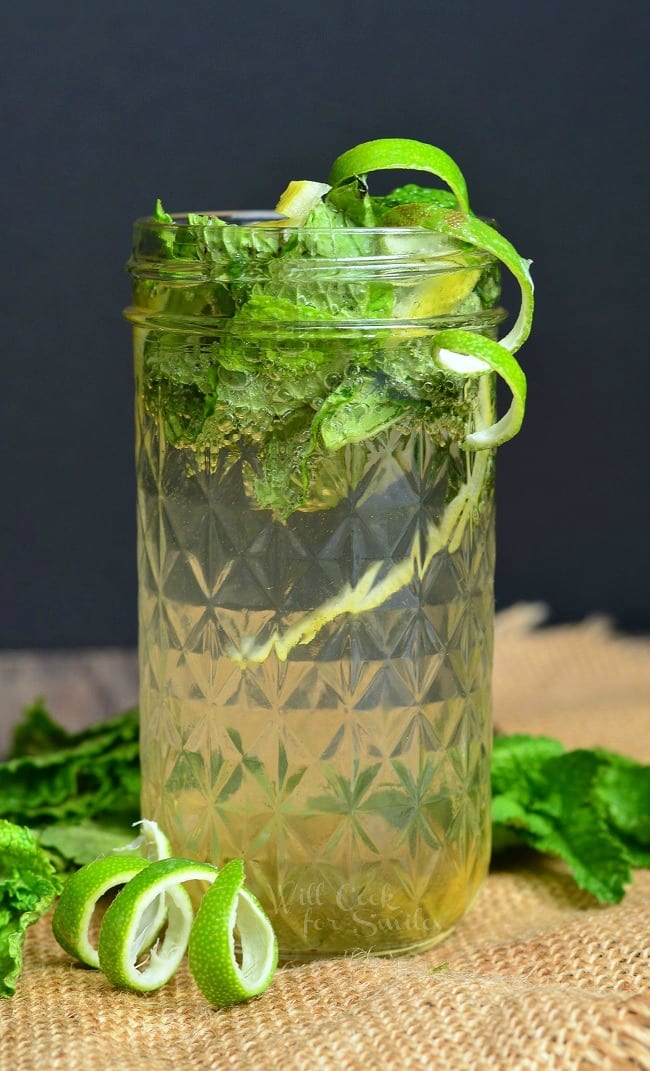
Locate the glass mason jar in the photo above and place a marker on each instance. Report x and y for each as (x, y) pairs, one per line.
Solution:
(316, 557)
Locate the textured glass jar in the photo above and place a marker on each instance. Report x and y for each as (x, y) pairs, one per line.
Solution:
(316, 557)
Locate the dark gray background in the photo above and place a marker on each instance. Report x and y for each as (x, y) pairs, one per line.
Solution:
(106, 107)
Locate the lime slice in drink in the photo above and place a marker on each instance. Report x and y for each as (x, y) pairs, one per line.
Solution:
(481, 235)
(82, 891)
(227, 910)
(438, 295)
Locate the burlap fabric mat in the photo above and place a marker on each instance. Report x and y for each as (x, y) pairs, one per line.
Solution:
(539, 975)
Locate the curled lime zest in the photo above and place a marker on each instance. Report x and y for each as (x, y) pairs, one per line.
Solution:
(147, 928)
(120, 938)
(461, 352)
(82, 891)
(228, 907)
(151, 842)
(476, 232)
(465, 353)
(403, 154)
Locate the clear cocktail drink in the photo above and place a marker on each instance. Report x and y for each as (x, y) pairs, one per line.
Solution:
(316, 557)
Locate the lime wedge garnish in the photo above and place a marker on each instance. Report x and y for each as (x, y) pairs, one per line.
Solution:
(121, 936)
(226, 909)
(299, 198)
(403, 154)
(440, 294)
(83, 889)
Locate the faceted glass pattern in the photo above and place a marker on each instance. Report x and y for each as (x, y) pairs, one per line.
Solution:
(352, 774)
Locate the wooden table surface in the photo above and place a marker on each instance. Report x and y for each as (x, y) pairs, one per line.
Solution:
(79, 686)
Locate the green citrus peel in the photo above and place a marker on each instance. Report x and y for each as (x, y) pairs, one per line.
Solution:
(85, 888)
(400, 154)
(124, 956)
(81, 894)
(467, 354)
(151, 843)
(227, 908)
(461, 352)
(476, 232)
(146, 930)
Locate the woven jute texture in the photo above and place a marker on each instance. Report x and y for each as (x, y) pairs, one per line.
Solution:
(538, 975)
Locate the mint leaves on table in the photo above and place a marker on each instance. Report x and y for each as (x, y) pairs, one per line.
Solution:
(590, 808)
(28, 885)
(54, 776)
(79, 792)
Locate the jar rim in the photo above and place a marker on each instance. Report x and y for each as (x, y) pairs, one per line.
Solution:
(394, 253)
(263, 220)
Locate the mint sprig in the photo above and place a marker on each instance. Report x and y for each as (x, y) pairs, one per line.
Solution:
(590, 808)
(28, 885)
(56, 776)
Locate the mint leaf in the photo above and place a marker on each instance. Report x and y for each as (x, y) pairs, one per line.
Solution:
(580, 833)
(92, 772)
(327, 232)
(264, 306)
(518, 763)
(412, 194)
(590, 808)
(166, 235)
(357, 411)
(81, 844)
(195, 219)
(38, 733)
(238, 256)
(159, 213)
(28, 885)
(623, 792)
(354, 202)
(310, 270)
(284, 460)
